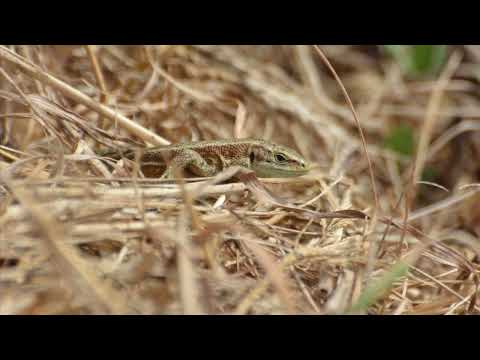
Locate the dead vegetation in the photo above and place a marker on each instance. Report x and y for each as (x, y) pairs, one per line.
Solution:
(84, 235)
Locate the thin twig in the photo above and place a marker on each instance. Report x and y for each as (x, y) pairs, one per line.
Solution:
(97, 70)
(359, 127)
(431, 116)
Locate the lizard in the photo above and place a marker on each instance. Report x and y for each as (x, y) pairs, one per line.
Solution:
(208, 158)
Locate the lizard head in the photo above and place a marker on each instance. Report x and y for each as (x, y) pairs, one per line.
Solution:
(272, 160)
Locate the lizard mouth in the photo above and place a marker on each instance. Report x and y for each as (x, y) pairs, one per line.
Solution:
(281, 172)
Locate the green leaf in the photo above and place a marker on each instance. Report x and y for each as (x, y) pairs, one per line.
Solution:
(418, 60)
(400, 139)
(380, 287)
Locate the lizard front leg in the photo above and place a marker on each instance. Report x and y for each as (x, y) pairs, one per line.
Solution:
(191, 160)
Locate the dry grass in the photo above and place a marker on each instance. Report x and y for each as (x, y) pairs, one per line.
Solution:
(84, 235)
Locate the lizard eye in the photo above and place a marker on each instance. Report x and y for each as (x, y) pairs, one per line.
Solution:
(280, 157)
(252, 157)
